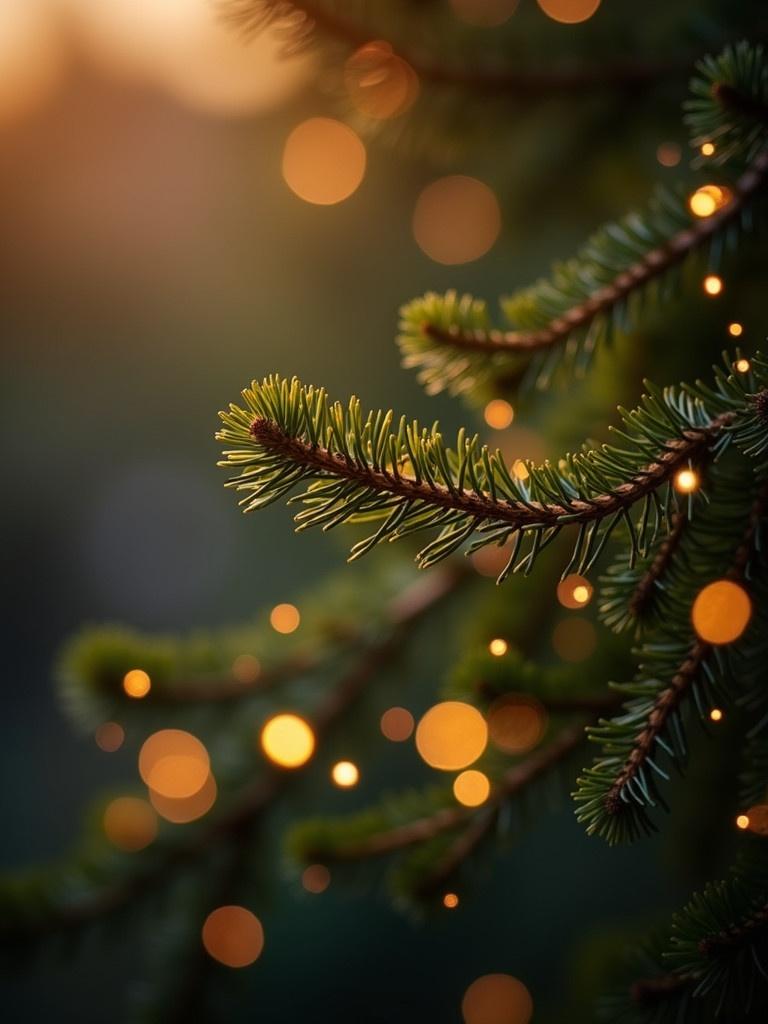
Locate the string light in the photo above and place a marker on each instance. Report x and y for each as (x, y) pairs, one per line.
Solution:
(721, 612)
(345, 774)
(712, 284)
(574, 591)
(233, 936)
(285, 618)
(498, 647)
(451, 735)
(450, 900)
(686, 481)
(323, 161)
(742, 365)
(716, 715)
(742, 821)
(456, 219)
(288, 740)
(380, 84)
(182, 810)
(735, 329)
(137, 683)
(397, 724)
(498, 414)
(471, 788)
(174, 763)
(707, 148)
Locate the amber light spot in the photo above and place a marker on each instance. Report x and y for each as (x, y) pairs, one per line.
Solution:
(569, 12)
(451, 735)
(456, 219)
(129, 823)
(345, 774)
(246, 669)
(707, 148)
(574, 639)
(316, 878)
(735, 329)
(721, 612)
(712, 284)
(174, 763)
(669, 154)
(497, 999)
(742, 365)
(182, 810)
(709, 199)
(686, 481)
(233, 936)
(450, 900)
(380, 84)
(397, 724)
(288, 740)
(516, 722)
(285, 618)
(109, 737)
(491, 559)
(742, 821)
(498, 647)
(471, 788)
(574, 591)
(716, 715)
(323, 161)
(498, 414)
(137, 683)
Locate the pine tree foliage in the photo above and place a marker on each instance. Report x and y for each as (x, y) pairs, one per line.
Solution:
(625, 271)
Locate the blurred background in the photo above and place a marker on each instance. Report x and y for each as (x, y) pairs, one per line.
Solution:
(183, 209)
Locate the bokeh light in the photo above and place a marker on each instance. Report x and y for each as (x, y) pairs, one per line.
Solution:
(323, 161)
(380, 84)
(182, 810)
(758, 819)
(498, 647)
(450, 900)
(471, 788)
(716, 715)
(456, 219)
(246, 669)
(288, 740)
(742, 821)
(484, 13)
(451, 735)
(497, 999)
(233, 936)
(735, 329)
(316, 878)
(708, 199)
(109, 736)
(32, 57)
(712, 284)
(569, 12)
(574, 591)
(574, 639)
(686, 481)
(490, 560)
(721, 612)
(498, 414)
(285, 618)
(742, 365)
(669, 154)
(397, 724)
(129, 823)
(345, 774)
(174, 763)
(136, 683)
(516, 722)
(707, 148)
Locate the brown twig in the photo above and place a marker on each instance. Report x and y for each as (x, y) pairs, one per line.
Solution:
(644, 591)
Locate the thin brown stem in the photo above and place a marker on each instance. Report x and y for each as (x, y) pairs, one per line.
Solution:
(323, 462)
(644, 591)
(652, 265)
(737, 934)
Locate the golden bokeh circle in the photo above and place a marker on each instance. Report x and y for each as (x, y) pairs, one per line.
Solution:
(233, 936)
(174, 763)
(129, 823)
(456, 219)
(397, 724)
(569, 12)
(497, 999)
(288, 740)
(323, 161)
(451, 735)
(721, 612)
(516, 722)
(471, 788)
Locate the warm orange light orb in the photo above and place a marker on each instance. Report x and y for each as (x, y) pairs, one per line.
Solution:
(450, 900)
(742, 821)
(707, 148)
(129, 823)
(735, 329)
(181, 810)
(246, 669)
(233, 936)
(516, 722)
(285, 618)
(686, 481)
(380, 84)
(451, 735)
(323, 161)
(742, 365)
(708, 200)
(716, 715)
(109, 736)
(137, 683)
(669, 154)
(574, 591)
(288, 740)
(174, 763)
(569, 12)
(497, 999)
(456, 219)
(712, 284)
(498, 647)
(345, 774)
(316, 878)
(721, 612)
(471, 788)
(498, 414)
(397, 724)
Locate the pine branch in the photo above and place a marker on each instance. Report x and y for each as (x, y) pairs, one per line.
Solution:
(359, 471)
(239, 816)
(644, 591)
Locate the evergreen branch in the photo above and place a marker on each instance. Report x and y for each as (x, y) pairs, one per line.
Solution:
(300, 19)
(231, 824)
(644, 591)
(359, 471)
